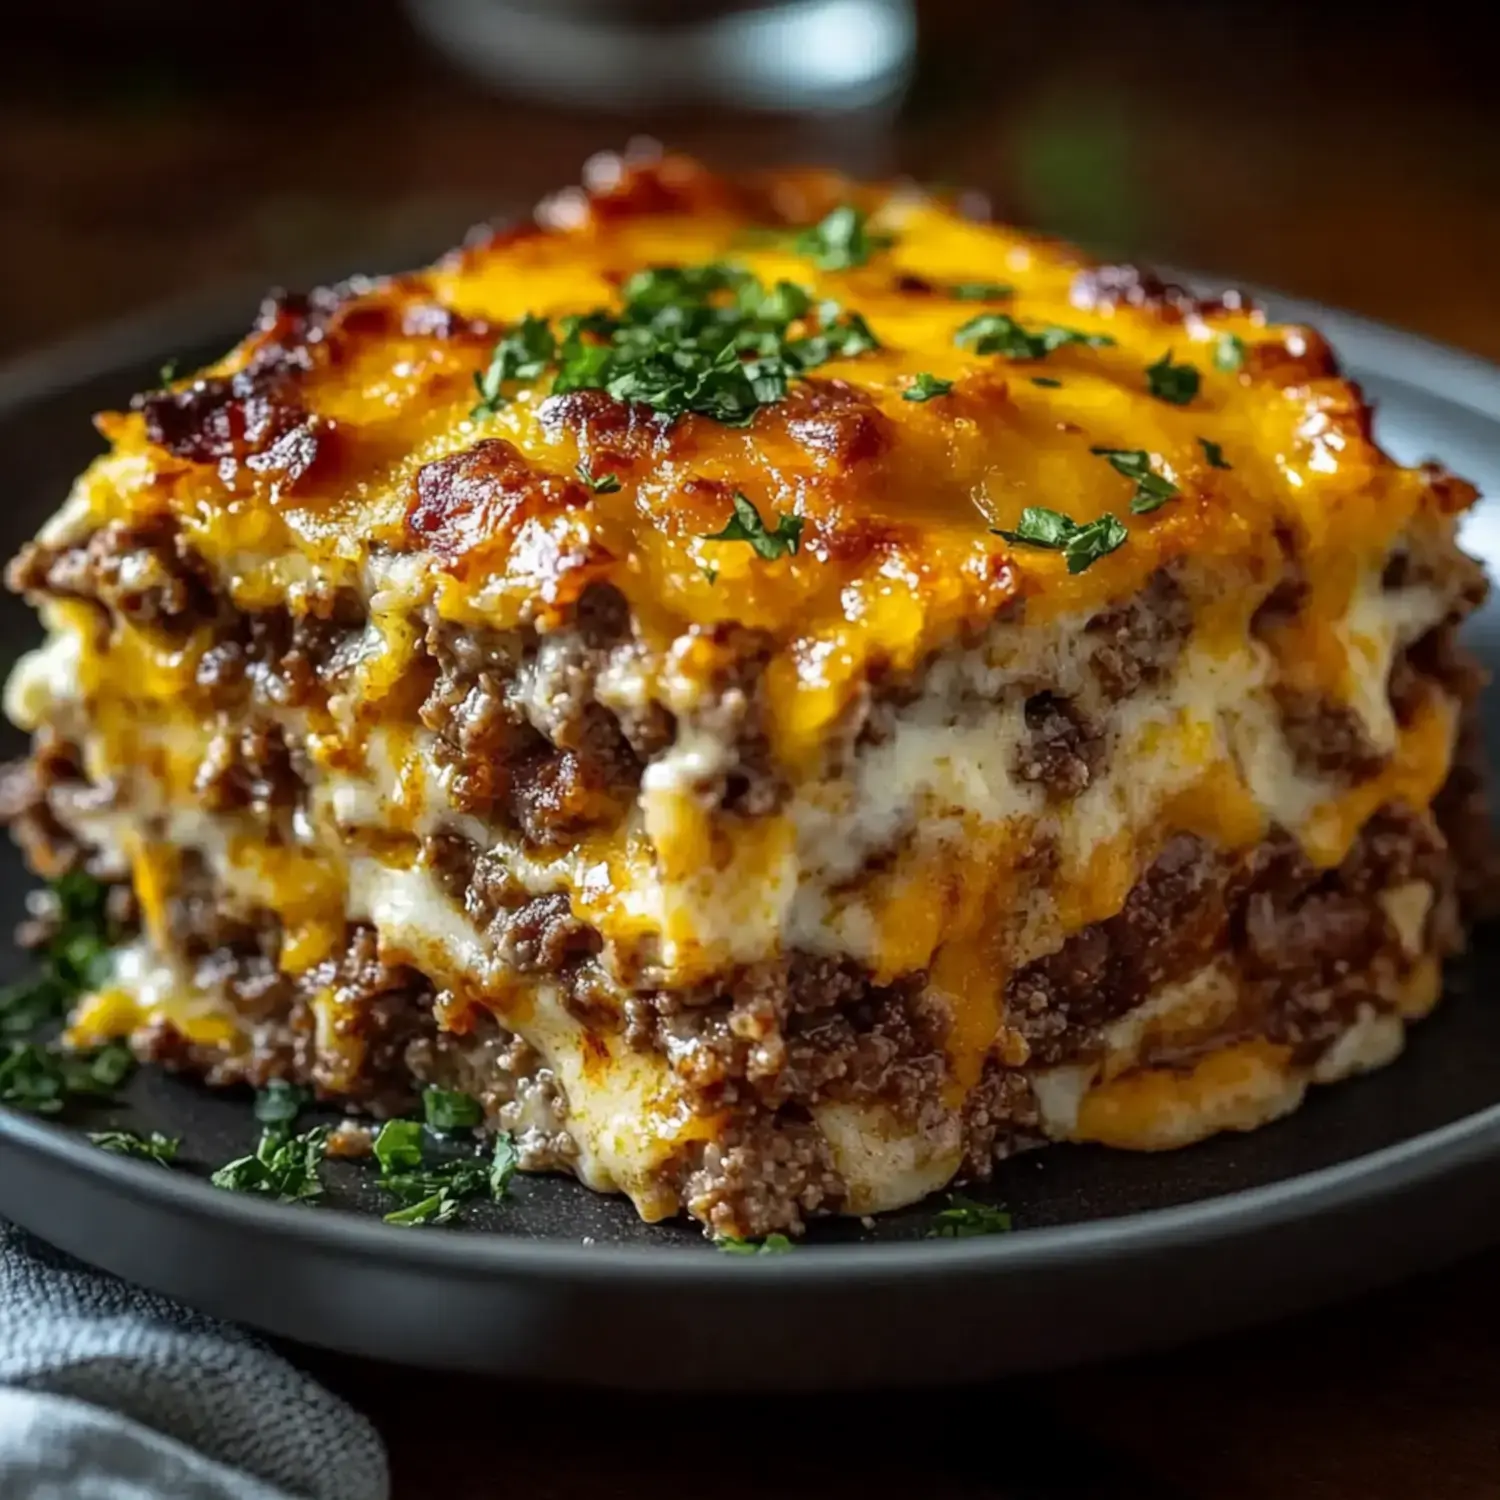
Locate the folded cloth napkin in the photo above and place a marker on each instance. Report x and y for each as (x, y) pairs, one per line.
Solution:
(108, 1392)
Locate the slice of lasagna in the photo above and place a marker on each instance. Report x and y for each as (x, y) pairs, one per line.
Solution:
(782, 691)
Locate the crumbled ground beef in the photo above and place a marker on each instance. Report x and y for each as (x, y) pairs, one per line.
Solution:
(1327, 738)
(143, 572)
(381, 1008)
(542, 936)
(452, 860)
(538, 752)
(248, 769)
(28, 789)
(146, 574)
(1000, 1117)
(1139, 642)
(802, 1030)
(1173, 916)
(1304, 940)
(733, 659)
(1438, 659)
(765, 1175)
(1462, 811)
(280, 659)
(1061, 751)
(1281, 605)
(1314, 946)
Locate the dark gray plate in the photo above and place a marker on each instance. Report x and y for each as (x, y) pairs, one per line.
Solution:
(1113, 1252)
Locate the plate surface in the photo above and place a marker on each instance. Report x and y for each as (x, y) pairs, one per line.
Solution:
(1370, 1181)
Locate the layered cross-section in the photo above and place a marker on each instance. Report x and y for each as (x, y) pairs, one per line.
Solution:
(781, 691)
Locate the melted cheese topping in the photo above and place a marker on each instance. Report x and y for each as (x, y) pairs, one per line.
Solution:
(901, 501)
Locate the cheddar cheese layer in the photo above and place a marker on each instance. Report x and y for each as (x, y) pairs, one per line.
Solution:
(784, 692)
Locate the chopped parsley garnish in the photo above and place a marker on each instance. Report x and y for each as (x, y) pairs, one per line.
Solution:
(433, 1193)
(711, 573)
(1177, 384)
(772, 1244)
(980, 291)
(1152, 490)
(504, 1160)
(1046, 382)
(999, 333)
(279, 1103)
(925, 386)
(398, 1146)
(1214, 454)
(841, 240)
(76, 957)
(841, 335)
(283, 1166)
(449, 1109)
(600, 484)
(43, 1079)
(746, 526)
(438, 1206)
(1081, 546)
(712, 340)
(162, 1149)
(169, 371)
(967, 1218)
(100, 1072)
(523, 354)
(1229, 353)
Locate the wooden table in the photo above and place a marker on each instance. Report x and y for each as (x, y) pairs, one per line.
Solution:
(169, 145)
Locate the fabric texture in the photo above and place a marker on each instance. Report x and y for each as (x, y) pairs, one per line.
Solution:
(111, 1392)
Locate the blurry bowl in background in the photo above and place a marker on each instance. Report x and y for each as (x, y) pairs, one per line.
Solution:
(803, 56)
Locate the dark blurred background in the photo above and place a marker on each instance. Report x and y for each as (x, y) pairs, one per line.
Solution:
(161, 148)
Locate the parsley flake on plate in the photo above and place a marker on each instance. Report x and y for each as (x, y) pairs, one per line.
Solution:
(1214, 454)
(1046, 382)
(398, 1146)
(76, 956)
(1175, 384)
(162, 1149)
(924, 386)
(1081, 546)
(1152, 490)
(279, 1103)
(746, 526)
(772, 1244)
(434, 1192)
(841, 241)
(282, 1166)
(967, 1218)
(999, 333)
(450, 1109)
(43, 1079)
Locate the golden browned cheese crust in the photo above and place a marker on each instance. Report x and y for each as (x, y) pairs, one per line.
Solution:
(786, 803)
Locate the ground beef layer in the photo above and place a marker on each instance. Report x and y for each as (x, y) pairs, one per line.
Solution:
(762, 1050)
